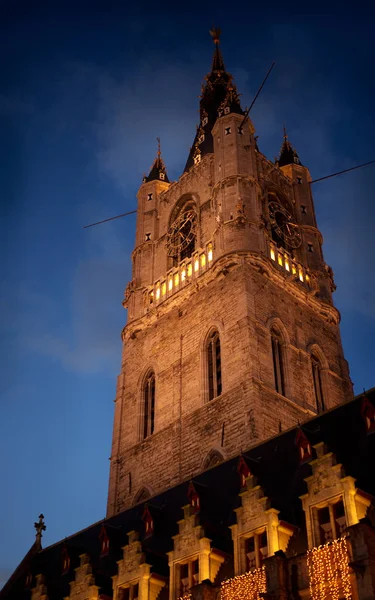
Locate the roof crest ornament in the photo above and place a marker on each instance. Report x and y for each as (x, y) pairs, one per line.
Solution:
(39, 526)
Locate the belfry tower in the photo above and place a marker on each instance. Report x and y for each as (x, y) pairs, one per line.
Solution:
(232, 335)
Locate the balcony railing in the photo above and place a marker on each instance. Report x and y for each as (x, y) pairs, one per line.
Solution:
(285, 261)
(180, 276)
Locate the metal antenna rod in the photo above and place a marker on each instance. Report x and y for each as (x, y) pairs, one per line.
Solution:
(110, 219)
(371, 162)
(256, 95)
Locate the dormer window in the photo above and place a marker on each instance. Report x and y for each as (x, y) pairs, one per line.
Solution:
(104, 540)
(65, 559)
(368, 414)
(29, 581)
(331, 521)
(227, 131)
(193, 498)
(197, 158)
(304, 447)
(201, 139)
(256, 549)
(148, 522)
(227, 110)
(244, 471)
(204, 121)
(161, 176)
(299, 180)
(149, 196)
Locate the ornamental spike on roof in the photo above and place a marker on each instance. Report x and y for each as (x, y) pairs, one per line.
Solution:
(288, 154)
(158, 170)
(218, 96)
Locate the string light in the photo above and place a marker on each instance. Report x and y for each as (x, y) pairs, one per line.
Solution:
(245, 587)
(186, 596)
(329, 575)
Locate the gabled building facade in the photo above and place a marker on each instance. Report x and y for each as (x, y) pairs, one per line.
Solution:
(242, 467)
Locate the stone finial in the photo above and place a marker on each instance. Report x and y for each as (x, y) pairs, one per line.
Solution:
(39, 526)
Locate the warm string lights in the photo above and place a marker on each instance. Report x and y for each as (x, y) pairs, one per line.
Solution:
(186, 596)
(245, 587)
(329, 575)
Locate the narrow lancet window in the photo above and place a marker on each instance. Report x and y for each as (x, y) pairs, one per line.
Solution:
(277, 356)
(149, 405)
(317, 379)
(214, 366)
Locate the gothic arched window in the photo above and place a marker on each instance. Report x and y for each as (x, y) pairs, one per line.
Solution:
(317, 379)
(214, 365)
(277, 357)
(148, 405)
(182, 233)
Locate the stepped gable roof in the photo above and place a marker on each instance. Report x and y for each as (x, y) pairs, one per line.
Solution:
(158, 170)
(218, 93)
(288, 155)
(275, 464)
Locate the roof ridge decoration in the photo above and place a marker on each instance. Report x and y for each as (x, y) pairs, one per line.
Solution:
(158, 171)
(218, 97)
(288, 155)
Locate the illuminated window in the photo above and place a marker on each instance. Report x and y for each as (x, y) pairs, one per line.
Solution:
(256, 549)
(205, 121)
(317, 379)
(214, 365)
(203, 260)
(209, 252)
(226, 110)
(330, 521)
(189, 575)
(197, 159)
(147, 237)
(277, 357)
(149, 406)
(161, 176)
(201, 139)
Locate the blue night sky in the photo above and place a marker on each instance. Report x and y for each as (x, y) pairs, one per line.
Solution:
(85, 90)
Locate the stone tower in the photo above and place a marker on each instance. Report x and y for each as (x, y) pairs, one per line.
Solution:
(232, 335)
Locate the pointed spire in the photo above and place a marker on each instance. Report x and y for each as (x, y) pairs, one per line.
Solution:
(219, 97)
(39, 526)
(158, 170)
(288, 154)
(217, 62)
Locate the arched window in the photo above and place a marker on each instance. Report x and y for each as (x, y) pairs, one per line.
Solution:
(182, 233)
(149, 405)
(214, 365)
(277, 357)
(317, 379)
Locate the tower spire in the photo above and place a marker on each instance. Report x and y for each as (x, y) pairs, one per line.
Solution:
(288, 155)
(158, 170)
(219, 97)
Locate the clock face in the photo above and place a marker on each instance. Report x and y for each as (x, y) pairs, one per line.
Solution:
(182, 232)
(282, 223)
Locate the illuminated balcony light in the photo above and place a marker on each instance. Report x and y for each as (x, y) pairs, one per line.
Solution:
(280, 259)
(170, 283)
(286, 263)
(163, 288)
(176, 279)
(157, 292)
(203, 260)
(294, 270)
(209, 252)
(307, 277)
(189, 270)
(183, 275)
(196, 264)
(300, 274)
(272, 252)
